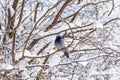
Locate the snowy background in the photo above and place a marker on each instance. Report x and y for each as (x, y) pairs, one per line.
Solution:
(90, 29)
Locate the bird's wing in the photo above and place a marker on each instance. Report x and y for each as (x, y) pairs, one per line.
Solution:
(62, 43)
(59, 44)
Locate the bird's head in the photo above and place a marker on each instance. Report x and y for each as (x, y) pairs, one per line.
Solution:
(58, 37)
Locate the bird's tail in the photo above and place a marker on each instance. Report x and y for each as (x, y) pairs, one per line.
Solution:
(66, 53)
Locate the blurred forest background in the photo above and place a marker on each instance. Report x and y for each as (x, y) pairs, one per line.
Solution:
(90, 28)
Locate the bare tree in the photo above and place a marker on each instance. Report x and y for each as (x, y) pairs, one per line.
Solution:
(90, 29)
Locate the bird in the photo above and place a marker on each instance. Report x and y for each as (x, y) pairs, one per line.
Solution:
(59, 43)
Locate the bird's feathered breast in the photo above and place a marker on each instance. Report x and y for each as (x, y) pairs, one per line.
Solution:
(59, 43)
